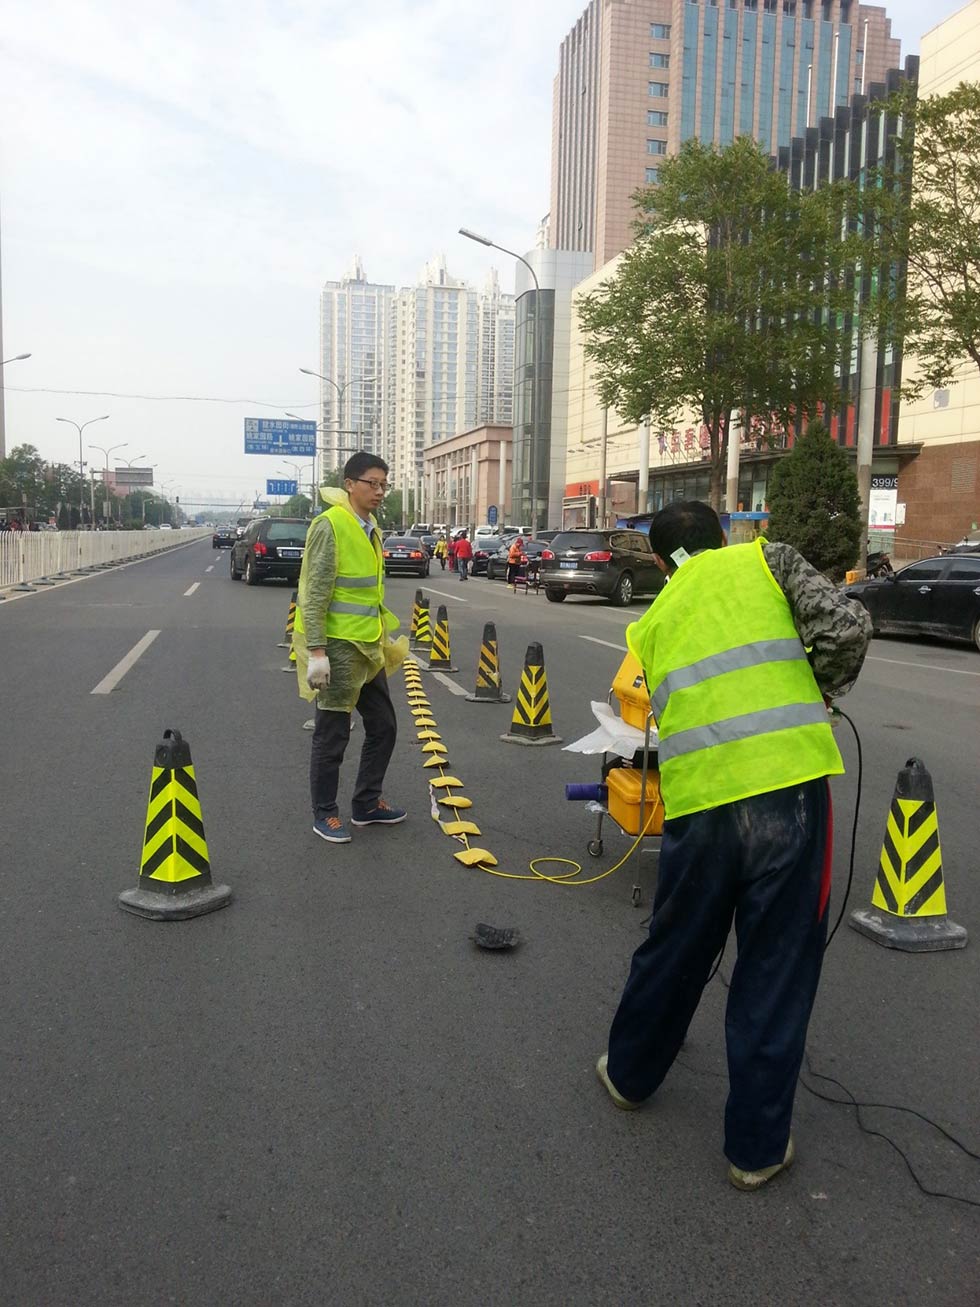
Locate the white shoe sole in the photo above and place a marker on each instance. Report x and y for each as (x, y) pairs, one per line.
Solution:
(332, 839)
(380, 821)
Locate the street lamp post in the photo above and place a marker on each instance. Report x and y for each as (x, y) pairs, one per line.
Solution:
(3, 419)
(537, 357)
(297, 467)
(341, 389)
(81, 460)
(106, 453)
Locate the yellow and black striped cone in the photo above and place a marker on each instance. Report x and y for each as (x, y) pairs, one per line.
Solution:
(440, 659)
(489, 687)
(287, 640)
(175, 874)
(423, 627)
(908, 903)
(290, 662)
(415, 615)
(531, 723)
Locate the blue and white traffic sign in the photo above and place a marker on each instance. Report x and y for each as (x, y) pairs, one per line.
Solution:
(280, 436)
(288, 488)
(492, 515)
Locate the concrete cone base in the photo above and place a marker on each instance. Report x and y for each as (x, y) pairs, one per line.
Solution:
(174, 907)
(910, 934)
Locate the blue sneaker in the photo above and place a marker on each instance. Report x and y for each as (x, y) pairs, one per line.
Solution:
(382, 815)
(331, 829)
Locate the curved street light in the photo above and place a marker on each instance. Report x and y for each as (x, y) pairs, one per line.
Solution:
(105, 480)
(81, 459)
(341, 388)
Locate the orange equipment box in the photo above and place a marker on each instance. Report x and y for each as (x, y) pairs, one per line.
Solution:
(624, 785)
(630, 688)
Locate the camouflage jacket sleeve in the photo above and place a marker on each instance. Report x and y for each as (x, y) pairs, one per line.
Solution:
(318, 576)
(835, 630)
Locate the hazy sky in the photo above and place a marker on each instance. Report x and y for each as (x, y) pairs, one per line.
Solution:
(178, 179)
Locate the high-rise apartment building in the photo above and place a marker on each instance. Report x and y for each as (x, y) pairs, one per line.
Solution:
(357, 400)
(408, 368)
(638, 77)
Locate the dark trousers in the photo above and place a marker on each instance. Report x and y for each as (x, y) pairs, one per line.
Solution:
(765, 862)
(330, 736)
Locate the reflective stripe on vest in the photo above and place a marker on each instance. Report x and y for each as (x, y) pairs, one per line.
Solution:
(738, 710)
(730, 660)
(355, 582)
(359, 610)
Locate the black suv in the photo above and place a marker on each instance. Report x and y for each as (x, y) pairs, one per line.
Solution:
(223, 537)
(270, 546)
(616, 564)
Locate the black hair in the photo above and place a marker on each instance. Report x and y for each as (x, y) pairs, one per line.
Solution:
(686, 524)
(362, 462)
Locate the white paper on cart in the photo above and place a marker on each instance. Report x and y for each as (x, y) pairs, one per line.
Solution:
(613, 736)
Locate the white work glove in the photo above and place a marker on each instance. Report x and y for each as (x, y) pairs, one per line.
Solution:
(318, 671)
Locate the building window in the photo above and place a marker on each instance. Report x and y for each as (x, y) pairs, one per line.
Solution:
(656, 118)
(656, 147)
(658, 90)
(652, 176)
(660, 61)
(660, 31)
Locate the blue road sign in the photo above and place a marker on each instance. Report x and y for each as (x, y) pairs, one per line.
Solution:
(492, 515)
(280, 436)
(281, 487)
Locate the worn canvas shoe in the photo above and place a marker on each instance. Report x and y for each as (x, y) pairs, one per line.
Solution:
(750, 1180)
(332, 829)
(383, 815)
(627, 1104)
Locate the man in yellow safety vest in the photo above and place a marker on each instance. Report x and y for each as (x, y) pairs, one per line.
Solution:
(344, 650)
(741, 650)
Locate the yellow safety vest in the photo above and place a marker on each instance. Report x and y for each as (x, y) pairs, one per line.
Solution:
(356, 611)
(738, 710)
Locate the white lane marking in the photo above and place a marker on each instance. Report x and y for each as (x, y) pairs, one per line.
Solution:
(109, 683)
(192, 589)
(443, 595)
(450, 685)
(608, 643)
(210, 569)
(929, 667)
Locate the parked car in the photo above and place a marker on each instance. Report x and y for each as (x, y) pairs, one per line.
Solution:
(270, 546)
(406, 555)
(937, 596)
(970, 544)
(616, 564)
(497, 565)
(430, 544)
(223, 537)
(484, 548)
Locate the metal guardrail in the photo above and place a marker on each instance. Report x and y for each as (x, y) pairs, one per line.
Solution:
(27, 557)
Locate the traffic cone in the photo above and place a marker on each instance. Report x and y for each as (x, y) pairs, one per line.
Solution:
(440, 659)
(489, 687)
(908, 903)
(415, 615)
(175, 874)
(423, 627)
(287, 640)
(291, 662)
(531, 723)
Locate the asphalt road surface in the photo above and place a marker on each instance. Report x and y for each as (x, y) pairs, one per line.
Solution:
(326, 1094)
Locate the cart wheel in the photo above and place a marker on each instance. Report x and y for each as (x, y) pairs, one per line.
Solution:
(595, 848)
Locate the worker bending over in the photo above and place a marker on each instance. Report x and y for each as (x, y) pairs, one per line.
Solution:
(741, 651)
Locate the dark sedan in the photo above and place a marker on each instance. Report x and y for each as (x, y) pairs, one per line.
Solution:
(483, 550)
(405, 555)
(223, 537)
(938, 597)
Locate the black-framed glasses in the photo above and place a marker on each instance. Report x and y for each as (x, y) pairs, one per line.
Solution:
(383, 486)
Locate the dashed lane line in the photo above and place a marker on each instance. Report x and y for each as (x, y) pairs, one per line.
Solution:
(449, 684)
(210, 569)
(444, 595)
(109, 683)
(608, 643)
(192, 589)
(928, 667)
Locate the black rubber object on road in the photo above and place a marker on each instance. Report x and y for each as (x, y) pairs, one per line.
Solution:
(495, 937)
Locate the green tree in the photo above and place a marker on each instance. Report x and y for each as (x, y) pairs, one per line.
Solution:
(928, 209)
(814, 504)
(297, 506)
(731, 298)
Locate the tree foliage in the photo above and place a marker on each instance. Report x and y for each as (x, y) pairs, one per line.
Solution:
(929, 214)
(814, 504)
(731, 297)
